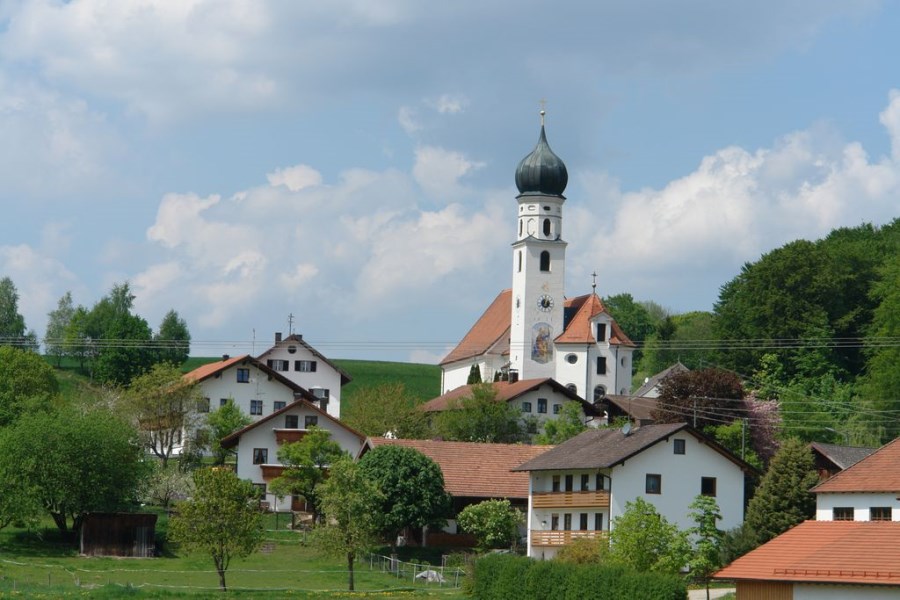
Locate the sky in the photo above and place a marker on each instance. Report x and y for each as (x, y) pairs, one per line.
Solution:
(351, 163)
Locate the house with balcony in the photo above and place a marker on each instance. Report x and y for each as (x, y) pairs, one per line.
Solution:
(295, 359)
(579, 487)
(258, 443)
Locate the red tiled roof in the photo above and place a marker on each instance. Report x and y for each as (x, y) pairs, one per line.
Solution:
(878, 472)
(854, 552)
(476, 470)
(490, 331)
(579, 330)
(208, 370)
(505, 391)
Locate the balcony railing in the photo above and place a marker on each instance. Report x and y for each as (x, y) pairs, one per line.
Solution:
(287, 436)
(561, 538)
(596, 499)
(270, 472)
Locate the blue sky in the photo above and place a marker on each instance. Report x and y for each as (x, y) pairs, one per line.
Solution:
(351, 162)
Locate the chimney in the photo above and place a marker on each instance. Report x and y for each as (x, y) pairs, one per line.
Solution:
(277, 336)
(225, 357)
(513, 375)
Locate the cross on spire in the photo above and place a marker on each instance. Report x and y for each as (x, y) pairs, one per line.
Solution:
(290, 324)
(594, 282)
(543, 103)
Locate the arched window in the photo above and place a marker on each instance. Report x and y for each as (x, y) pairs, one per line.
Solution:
(545, 261)
(520, 261)
(546, 227)
(520, 227)
(599, 392)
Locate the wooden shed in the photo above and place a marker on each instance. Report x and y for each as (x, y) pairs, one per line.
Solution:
(119, 534)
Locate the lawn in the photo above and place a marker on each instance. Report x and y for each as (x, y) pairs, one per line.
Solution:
(39, 565)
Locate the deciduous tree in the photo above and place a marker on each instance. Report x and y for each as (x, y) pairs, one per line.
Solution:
(782, 499)
(708, 397)
(306, 466)
(121, 338)
(385, 409)
(494, 523)
(222, 519)
(173, 340)
(707, 538)
(12, 324)
(57, 322)
(221, 422)
(27, 384)
(412, 486)
(350, 502)
(568, 424)
(481, 418)
(644, 540)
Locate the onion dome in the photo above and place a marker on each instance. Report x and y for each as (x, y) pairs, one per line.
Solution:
(542, 172)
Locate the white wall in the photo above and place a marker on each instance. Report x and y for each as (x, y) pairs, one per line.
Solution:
(860, 502)
(681, 474)
(457, 374)
(260, 387)
(324, 377)
(263, 436)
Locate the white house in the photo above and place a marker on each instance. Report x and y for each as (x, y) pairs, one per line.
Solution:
(868, 490)
(255, 388)
(533, 331)
(258, 444)
(539, 399)
(296, 360)
(580, 486)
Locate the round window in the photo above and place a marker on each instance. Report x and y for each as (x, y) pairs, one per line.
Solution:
(292, 349)
(571, 358)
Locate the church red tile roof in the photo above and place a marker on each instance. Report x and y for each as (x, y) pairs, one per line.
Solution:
(846, 552)
(878, 472)
(578, 328)
(476, 470)
(490, 331)
(505, 391)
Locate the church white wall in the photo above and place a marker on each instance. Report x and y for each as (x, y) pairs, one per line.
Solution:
(457, 374)
(860, 502)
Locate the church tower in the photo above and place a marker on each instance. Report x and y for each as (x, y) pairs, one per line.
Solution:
(539, 253)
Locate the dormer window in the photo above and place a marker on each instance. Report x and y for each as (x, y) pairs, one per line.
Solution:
(601, 332)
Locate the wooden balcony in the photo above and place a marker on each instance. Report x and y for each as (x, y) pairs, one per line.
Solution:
(561, 538)
(597, 499)
(287, 436)
(270, 472)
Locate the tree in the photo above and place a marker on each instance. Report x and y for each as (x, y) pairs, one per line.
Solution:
(75, 462)
(221, 422)
(120, 338)
(631, 316)
(18, 502)
(173, 340)
(350, 502)
(385, 409)
(568, 424)
(707, 538)
(494, 523)
(306, 466)
(12, 324)
(782, 499)
(481, 417)
(77, 342)
(644, 540)
(164, 406)
(412, 486)
(474, 375)
(222, 519)
(166, 484)
(703, 398)
(57, 322)
(27, 384)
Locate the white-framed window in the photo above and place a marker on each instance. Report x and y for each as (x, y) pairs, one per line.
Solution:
(880, 513)
(708, 486)
(278, 405)
(305, 366)
(601, 365)
(278, 364)
(842, 513)
(556, 408)
(310, 421)
(654, 483)
(243, 375)
(526, 407)
(678, 446)
(542, 405)
(260, 456)
(291, 422)
(256, 407)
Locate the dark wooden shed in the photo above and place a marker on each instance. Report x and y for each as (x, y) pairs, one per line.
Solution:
(119, 534)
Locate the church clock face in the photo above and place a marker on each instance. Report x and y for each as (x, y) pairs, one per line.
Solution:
(545, 303)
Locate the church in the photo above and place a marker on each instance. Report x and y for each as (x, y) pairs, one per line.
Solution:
(533, 330)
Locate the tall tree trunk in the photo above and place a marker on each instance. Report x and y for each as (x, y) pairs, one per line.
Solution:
(350, 570)
(221, 572)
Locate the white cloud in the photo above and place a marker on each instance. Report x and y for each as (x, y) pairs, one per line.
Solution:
(449, 104)
(408, 119)
(295, 178)
(438, 171)
(37, 279)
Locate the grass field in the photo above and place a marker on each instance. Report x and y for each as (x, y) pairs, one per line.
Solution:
(41, 566)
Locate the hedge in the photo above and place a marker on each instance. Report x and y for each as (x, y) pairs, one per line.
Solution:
(503, 576)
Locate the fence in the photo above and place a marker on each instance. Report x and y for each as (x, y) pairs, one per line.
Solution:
(442, 576)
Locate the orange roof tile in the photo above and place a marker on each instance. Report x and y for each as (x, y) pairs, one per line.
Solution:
(476, 470)
(208, 370)
(854, 552)
(578, 327)
(490, 331)
(878, 472)
(505, 391)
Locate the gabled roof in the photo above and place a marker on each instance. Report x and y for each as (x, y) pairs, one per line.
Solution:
(475, 470)
(636, 407)
(490, 333)
(654, 381)
(505, 392)
(606, 448)
(846, 552)
(578, 326)
(233, 438)
(298, 339)
(842, 457)
(206, 371)
(878, 472)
